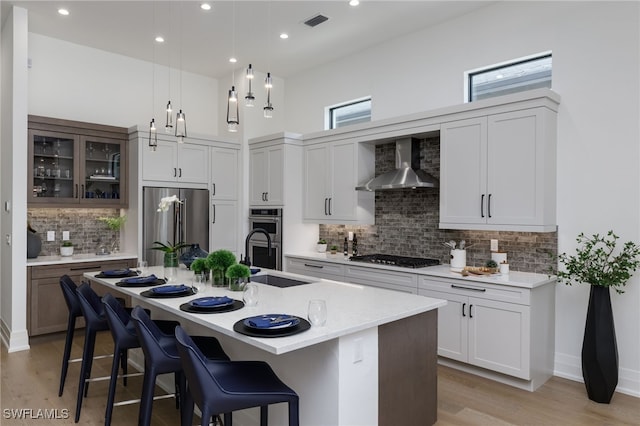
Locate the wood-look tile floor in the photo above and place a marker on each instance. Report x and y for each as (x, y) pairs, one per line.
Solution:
(30, 381)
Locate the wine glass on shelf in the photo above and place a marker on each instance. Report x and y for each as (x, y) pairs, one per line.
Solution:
(107, 150)
(90, 150)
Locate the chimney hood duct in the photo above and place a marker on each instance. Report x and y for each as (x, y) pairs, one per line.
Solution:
(407, 173)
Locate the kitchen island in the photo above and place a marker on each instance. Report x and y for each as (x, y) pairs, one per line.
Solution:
(374, 362)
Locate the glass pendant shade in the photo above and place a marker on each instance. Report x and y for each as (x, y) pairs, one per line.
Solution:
(168, 127)
(268, 108)
(249, 99)
(181, 126)
(153, 135)
(233, 115)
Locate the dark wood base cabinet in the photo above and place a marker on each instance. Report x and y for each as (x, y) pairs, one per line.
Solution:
(46, 309)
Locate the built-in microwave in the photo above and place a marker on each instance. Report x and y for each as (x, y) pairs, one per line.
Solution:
(270, 220)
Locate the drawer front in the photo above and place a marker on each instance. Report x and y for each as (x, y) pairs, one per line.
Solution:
(521, 296)
(314, 267)
(385, 279)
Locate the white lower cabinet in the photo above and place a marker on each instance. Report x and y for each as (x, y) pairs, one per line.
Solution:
(492, 326)
(315, 268)
(391, 280)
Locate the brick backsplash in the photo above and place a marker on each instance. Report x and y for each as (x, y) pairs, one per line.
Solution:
(85, 230)
(407, 225)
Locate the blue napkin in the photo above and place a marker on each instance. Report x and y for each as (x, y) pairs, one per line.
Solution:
(116, 272)
(140, 280)
(272, 321)
(171, 289)
(209, 302)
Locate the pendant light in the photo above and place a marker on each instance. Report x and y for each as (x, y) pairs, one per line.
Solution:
(268, 83)
(249, 100)
(268, 108)
(233, 114)
(233, 117)
(168, 127)
(181, 120)
(153, 135)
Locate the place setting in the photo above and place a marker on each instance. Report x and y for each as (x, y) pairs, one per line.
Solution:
(212, 305)
(141, 281)
(117, 273)
(168, 291)
(281, 325)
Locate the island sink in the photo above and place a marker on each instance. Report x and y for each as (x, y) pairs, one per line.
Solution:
(277, 281)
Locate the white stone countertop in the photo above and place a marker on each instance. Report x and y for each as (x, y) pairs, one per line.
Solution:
(78, 258)
(514, 278)
(350, 307)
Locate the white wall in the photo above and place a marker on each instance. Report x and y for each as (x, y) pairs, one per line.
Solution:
(596, 55)
(13, 178)
(76, 82)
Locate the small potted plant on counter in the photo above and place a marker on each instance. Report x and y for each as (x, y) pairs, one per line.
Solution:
(321, 246)
(238, 275)
(199, 267)
(66, 249)
(218, 262)
(334, 249)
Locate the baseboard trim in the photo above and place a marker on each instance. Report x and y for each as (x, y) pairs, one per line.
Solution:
(14, 341)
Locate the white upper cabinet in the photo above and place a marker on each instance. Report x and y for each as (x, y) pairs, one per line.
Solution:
(497, 172)
(331, 173)
(275, 171)
(173, 162)
(267, 176)
(225, 173)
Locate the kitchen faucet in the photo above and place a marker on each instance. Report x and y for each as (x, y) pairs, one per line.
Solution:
(247, 259)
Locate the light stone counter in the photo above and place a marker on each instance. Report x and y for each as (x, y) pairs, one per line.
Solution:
(374, 362)
(78, 258)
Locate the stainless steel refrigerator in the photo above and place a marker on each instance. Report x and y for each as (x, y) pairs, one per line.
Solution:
(187, 222)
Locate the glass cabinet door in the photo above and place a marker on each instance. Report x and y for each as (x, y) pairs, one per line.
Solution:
(101, 170)
(53, 167)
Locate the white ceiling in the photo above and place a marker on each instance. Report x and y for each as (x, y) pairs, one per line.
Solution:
(207, 37)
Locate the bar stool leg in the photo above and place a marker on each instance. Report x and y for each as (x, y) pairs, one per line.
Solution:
(71, 326)
(85, 369)
(117, 356)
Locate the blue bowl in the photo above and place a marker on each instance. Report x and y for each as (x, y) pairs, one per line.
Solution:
(254, 271)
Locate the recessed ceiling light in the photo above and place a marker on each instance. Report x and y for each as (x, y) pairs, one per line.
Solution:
(284, 36)
(63, 12)
(354, 2)
(205, 6)
(233, 60)
(160, 39)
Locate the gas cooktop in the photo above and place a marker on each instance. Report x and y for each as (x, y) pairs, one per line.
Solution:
(403, 261)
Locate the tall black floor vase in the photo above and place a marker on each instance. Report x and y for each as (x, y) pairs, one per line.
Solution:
(599, 347)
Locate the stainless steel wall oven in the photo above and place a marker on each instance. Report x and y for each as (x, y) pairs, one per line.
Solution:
(271, 221)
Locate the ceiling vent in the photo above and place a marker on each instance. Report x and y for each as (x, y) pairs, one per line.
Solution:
(316, 20)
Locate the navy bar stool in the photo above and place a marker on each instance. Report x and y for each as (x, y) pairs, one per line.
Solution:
(226, 386)
(161, 356)
(124, 338)
(71, 299)
(95, 321)
(69, 291)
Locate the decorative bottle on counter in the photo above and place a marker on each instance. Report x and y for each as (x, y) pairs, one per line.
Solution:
(354, 245)
(346, 246)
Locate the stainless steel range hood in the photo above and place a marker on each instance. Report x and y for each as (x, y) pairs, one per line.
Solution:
(407, 173)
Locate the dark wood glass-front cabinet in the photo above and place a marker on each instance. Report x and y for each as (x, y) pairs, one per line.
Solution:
(76, 164)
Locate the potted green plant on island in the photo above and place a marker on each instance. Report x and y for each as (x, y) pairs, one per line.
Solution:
(600, 264)
(218, 262)
(334, 249)
(66, 249)
(237, 275)
(321, 246)
(199, 267)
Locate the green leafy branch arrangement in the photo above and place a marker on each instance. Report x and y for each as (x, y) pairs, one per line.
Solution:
(595, 262)
(114, 223)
